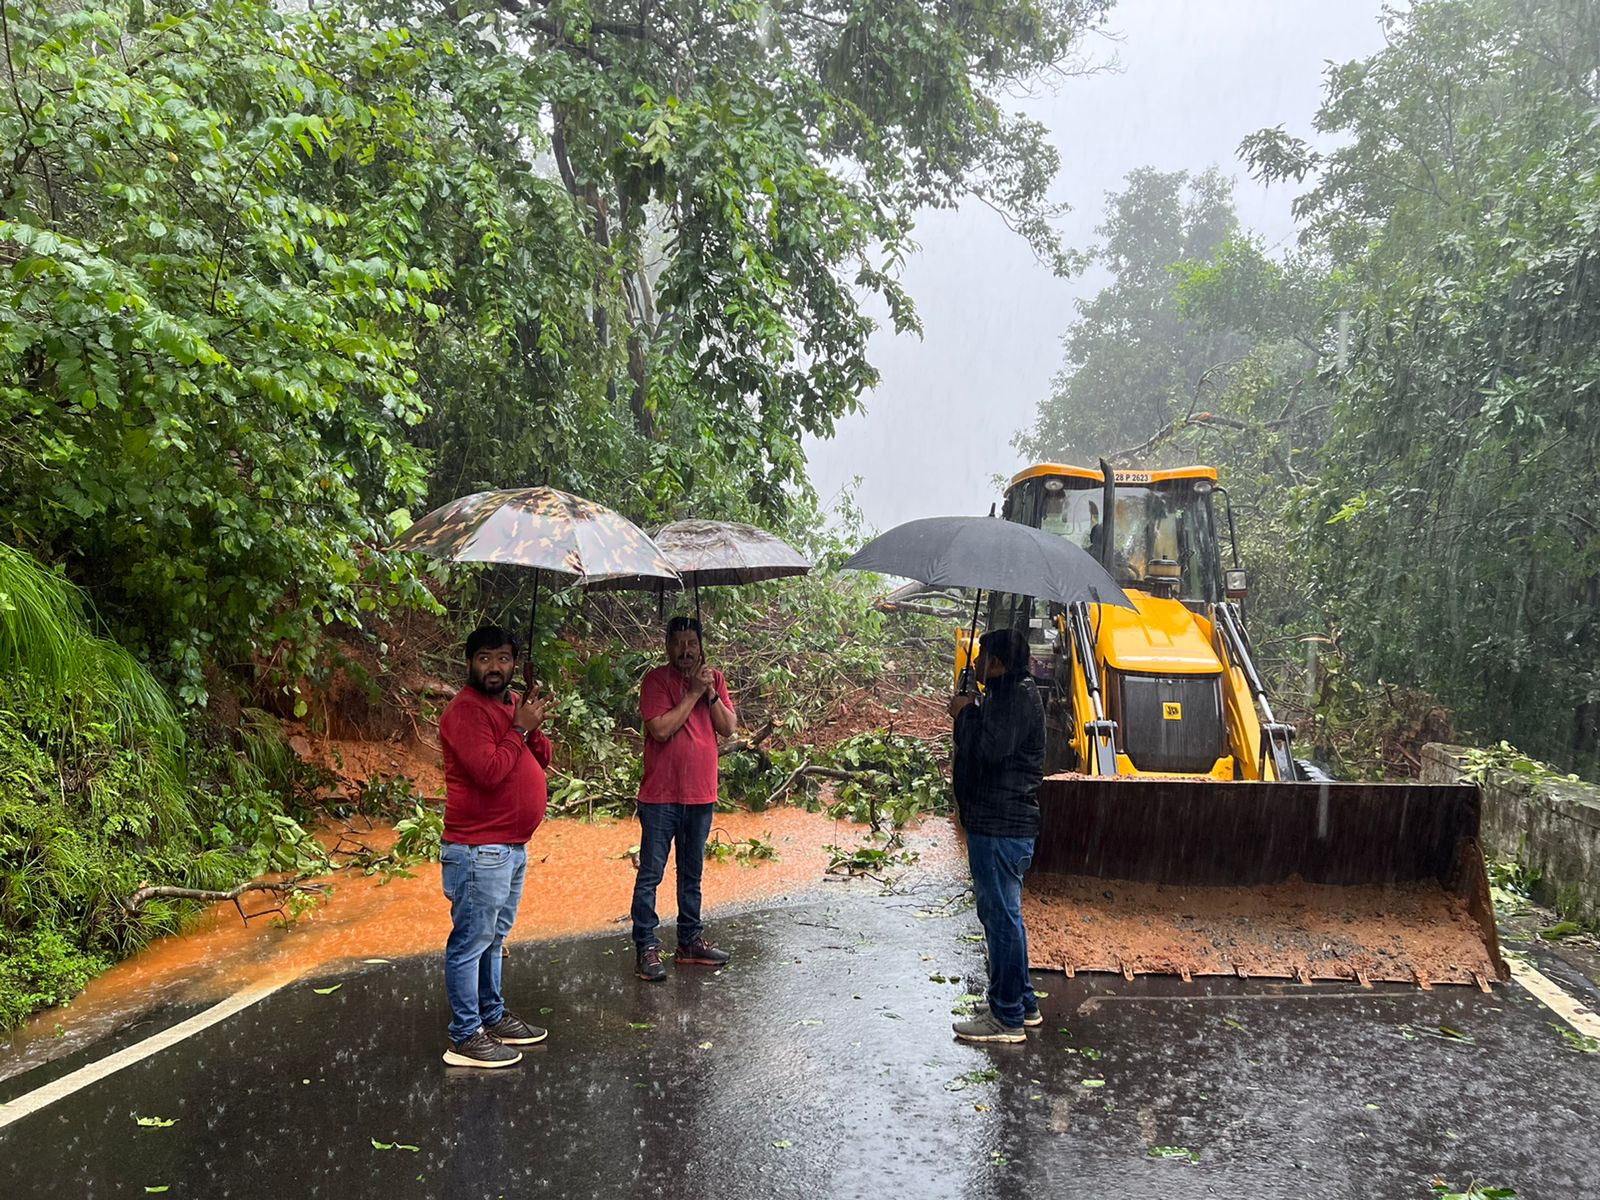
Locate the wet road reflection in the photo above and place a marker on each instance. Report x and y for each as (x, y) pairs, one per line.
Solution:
(820, 1063)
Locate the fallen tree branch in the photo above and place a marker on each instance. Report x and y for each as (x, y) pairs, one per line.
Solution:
(807, 768)
(280, 887)
(926, 610)
(750, 743)
(783, 788)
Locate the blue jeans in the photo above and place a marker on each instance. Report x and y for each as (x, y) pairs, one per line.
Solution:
(484, 887)
(997, 865)
(660, 827)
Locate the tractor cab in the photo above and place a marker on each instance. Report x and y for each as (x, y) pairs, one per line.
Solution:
(1164, 546)
(1163, 532)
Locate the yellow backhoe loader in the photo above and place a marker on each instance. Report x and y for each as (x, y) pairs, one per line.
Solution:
(1180, 835)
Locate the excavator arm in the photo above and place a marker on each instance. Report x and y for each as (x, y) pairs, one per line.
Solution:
(1272, 755)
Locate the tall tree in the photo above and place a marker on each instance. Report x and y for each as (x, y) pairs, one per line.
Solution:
(743, 175)
(259, 259)
(1133, 361)
(1455, 530)
(204, 371)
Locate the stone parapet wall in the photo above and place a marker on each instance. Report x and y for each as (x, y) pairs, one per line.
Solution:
(1550, 826)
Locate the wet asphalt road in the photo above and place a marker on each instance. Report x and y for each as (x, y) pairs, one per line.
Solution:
(820, 1063)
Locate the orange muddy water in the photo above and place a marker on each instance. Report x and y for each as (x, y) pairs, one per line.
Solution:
(580, 880)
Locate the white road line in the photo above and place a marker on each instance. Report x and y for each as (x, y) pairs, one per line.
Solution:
(1554, 997)
(32, 1102)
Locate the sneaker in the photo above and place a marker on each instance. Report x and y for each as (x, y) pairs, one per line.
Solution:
(649, 965)
(1031, 1017)
(512, 1030)
(481, 1050)
(702, 952)
(985, 1028)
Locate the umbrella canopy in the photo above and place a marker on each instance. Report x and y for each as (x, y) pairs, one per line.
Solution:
(719, 554)
(989, 554)
(542, 528)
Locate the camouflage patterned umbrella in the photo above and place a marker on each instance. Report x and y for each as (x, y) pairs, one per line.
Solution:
(542, 528)
(717, 554)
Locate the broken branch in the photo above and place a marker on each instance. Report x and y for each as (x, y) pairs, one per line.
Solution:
(280, 887)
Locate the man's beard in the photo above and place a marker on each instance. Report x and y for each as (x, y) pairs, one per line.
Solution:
(493, 691)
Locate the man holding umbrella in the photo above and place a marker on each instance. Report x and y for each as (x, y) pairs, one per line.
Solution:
(999, 765)
(999, 761)
(495, 794)
(684, 706)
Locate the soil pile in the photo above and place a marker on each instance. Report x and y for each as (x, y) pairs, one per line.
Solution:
(1411, 933)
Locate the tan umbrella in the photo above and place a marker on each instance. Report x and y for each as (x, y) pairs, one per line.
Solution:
(542, 528)
(716, 554)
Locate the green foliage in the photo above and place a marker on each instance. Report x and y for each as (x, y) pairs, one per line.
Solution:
(881, 852)
(747, 853)
(45, 639)
(1475, 1191)
(1580, 1043)
(101, 791)
(1452, 530)
(671, 221)
(203, 357)
(1511, 887)
(876, 777)
(380, 796)
(420, 835)
(1561, 929)
(900, 778)
(1134, 361)
(1479, 764)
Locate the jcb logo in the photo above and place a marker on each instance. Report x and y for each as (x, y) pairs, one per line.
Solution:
(1171, 711)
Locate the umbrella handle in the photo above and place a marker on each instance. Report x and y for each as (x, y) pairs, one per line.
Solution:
(527, 651)
(972, 640)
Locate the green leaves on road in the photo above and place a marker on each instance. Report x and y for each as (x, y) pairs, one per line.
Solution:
(1182, 1152)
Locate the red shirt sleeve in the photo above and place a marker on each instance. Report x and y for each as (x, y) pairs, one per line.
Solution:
(654, 698)
(722, 689)
(485, 758)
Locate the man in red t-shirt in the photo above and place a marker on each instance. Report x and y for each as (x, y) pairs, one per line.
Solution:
(494, 760)
(684, 706)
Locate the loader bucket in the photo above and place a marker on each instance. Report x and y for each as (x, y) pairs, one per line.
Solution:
(1307, 881)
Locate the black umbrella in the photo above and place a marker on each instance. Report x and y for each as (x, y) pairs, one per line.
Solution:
(989, 554)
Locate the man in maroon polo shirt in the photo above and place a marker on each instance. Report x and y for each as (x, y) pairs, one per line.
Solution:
(494, 759)
(683, 706)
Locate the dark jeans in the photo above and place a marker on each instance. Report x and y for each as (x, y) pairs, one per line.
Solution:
(484, 887)
(660, 826)
(997, 865)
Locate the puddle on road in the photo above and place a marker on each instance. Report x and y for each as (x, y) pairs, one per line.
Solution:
(580, 880)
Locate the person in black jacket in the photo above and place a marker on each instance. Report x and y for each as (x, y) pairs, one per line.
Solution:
(999, 765)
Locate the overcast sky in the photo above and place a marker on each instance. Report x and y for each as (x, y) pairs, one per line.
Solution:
(1195, 76)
